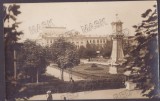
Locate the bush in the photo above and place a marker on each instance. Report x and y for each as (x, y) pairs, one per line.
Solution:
(94, 65)
(57, 86)
(98, 84)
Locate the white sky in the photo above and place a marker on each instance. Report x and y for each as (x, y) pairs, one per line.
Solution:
(73, 15)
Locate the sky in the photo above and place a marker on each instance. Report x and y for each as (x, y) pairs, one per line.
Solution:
(75, 15)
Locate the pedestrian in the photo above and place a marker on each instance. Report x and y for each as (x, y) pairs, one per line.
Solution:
(64, 98)
(72, 84)
(49, 96)
(71, 80)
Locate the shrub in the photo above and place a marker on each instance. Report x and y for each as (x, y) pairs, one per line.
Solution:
(94, 65)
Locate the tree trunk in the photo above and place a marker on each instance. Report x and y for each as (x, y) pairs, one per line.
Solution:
(15, 69)
(37, 76)
(70, 73)
(89, 59)
(32, 79)
(62, 74)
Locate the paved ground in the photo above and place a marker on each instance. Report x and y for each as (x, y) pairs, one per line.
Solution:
(98, 94)
(56, 73)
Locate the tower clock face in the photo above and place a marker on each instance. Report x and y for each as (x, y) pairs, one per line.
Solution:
(119, 28)
(114, 28)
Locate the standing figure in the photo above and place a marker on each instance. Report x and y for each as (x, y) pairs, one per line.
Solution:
(71, 80)
(49, 96)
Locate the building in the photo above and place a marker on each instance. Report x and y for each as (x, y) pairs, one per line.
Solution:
(50, 35)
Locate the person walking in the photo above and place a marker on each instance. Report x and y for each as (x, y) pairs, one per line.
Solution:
(72, 84)
(71, 80)
(49, 96)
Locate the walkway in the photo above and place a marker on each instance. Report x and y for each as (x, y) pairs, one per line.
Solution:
(98, 94)
(56, 73)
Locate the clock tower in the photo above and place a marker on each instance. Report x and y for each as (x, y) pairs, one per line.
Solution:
(117, 54)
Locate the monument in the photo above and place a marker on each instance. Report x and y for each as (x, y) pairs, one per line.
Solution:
(117, 54)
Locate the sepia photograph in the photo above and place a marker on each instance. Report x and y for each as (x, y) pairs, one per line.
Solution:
(81, 50)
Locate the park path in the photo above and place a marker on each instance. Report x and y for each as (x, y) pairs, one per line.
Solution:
(98, 94)
(54, 71)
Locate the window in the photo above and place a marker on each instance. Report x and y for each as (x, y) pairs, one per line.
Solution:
(97, 41)
(87, 41)
(93, 41)
(103, 40)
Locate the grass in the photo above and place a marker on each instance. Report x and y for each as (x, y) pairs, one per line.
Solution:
(101, 71)
(84, 67)
(94, 68)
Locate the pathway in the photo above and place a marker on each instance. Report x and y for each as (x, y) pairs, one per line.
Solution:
(56, 73)
(98, 94)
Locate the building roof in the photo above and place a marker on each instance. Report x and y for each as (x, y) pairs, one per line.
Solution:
(54, 31)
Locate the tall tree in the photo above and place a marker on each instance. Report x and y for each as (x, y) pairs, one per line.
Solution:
(90, 51)
(11, 36)
(144, 53)
(65, 54)
(33, 59)
(107, 49)
(82, 52)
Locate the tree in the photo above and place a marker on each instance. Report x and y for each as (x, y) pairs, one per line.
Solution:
(82, 52)
(127, 42)
(107, 49)
(65, 54)
(33, 59)
(91, 51)
(11, 37)
(49, 54)
(144, 53)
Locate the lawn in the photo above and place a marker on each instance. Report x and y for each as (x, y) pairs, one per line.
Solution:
(101, 71)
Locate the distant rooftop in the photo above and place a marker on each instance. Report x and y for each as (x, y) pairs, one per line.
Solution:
(62, 31)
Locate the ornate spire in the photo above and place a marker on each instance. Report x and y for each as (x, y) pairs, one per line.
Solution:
(117, 18)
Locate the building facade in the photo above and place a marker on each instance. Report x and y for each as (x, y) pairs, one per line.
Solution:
(48, 38)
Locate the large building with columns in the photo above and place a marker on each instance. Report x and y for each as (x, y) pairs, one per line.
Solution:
(50, 35)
